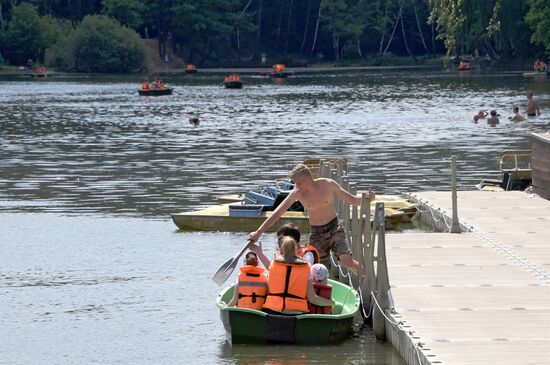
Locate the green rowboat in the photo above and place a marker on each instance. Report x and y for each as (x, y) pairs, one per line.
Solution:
(251, 326)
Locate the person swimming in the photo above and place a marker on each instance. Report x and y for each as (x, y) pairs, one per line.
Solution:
(493, 119)
(518, 117)
(480, 115)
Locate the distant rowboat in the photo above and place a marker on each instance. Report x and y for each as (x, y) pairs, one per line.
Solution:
(232, 81)
(156, 92)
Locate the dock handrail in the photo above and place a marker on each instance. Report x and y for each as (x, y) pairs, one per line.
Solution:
(368, 246)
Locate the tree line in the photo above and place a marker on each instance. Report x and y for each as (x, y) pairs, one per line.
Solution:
(104, 35)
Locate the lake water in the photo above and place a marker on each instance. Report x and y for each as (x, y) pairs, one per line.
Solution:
(92, 270)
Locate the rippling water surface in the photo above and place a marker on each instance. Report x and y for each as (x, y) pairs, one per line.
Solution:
(91, 268)
(94, 145)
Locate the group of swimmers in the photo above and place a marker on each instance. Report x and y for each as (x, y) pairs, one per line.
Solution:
(156, 85)
(531, 111)
(305, 291)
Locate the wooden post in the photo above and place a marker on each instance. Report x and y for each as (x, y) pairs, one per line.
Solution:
(355, 234)
(455, 225)
(367, 258)
(382, 280)
(322, 168)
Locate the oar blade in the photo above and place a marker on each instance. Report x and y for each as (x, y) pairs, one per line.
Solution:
(228, 267)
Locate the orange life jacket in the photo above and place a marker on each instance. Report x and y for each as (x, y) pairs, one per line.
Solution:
(464, 65)
(144, 86)
(287, 287)
(252, 287)
(309, 248)
(324, 291)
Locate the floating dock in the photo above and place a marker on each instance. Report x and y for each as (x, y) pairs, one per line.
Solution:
(479, 297)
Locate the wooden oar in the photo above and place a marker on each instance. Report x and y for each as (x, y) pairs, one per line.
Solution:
(227, 268)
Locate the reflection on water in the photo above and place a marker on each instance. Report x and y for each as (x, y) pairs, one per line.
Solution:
(94, 145)
(89, 289)
(362, 348)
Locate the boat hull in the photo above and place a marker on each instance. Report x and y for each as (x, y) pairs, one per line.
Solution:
(251, 326)
(156, 92)
(233, 85)
(218, 218)
(280, 75)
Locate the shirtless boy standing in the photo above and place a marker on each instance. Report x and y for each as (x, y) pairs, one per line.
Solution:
(317, 197)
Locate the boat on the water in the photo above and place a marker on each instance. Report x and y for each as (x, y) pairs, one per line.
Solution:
(40, 73)
(279, 71)
(156, 92)
(238, 217)
(516, 172)
(232, 82)
(190, 69)
(246, 212)
(245, 325)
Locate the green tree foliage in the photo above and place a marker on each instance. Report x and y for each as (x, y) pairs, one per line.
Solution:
(209, 28)
(236, 32)
(23, 38)
(538, 19)
(126, 12)
(448, 18)
(99, 44)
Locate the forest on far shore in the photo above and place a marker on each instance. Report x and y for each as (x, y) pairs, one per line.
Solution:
(106, 35)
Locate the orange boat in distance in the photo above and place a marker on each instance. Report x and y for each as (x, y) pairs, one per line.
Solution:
(464, 65)
(278, 70)
(190, 69)
(232, 81)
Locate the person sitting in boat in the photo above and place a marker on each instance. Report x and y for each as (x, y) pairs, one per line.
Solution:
(493, 119)
(518, 117)
(307, 252)
(159, 84)
(289, 283)
(278, 68)
(464, 65)
(540, 66)
(251, 288)
(145, 85)
(480, 115)
(319, 277)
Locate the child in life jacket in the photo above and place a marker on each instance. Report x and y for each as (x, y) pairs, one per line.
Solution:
(251, 287)
(319, 277)
(307, 252)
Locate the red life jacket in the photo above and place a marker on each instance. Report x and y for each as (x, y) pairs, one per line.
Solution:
(252, 287)
(309, 248)
(324, 291)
